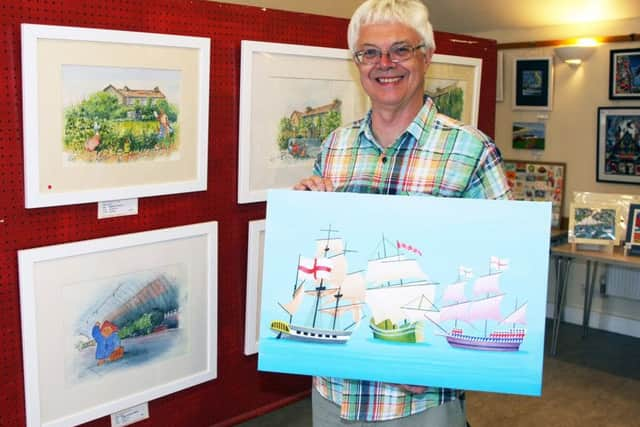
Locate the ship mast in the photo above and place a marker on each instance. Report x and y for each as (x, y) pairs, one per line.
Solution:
(321, 286)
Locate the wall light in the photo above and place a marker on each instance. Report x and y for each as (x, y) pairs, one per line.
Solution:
(576, 54)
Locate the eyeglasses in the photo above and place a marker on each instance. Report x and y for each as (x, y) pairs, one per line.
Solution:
(396, 53)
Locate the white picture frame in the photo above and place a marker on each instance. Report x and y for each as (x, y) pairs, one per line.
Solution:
(72, 155)
(153, 298)
(282, 80)
(500, 77)
(255, 259)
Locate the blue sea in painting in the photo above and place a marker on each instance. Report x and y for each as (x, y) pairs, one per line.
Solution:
(441, 242)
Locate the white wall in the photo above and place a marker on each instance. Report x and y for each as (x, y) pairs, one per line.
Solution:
(571, 131)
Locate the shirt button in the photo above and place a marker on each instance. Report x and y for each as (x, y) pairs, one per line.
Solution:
(384, 159)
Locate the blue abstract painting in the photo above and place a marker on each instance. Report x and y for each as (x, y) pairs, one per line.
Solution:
(409, 290)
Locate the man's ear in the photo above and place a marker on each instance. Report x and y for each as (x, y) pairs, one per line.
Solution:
(428, 55)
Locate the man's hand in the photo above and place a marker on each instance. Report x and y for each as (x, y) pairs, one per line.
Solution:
(314, 183)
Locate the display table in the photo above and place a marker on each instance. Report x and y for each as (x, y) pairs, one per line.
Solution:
(563, 257)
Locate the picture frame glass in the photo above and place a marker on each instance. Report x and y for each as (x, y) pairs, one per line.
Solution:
(112, 114)
(114, 322)
(618, 139)
(533, 83)
(624, 81)
(594, 224)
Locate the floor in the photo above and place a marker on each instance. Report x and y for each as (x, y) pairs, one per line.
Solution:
(593, 381)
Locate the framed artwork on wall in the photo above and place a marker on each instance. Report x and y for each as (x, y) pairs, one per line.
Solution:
(633, 229)
(280, 136)
(593, 224)
(453, 82)
(533, 83)
(624, 75)
(291, 97)
(112, 114)
(255, 255)
(500, 77)
(340, 300)
(114, 322)
(538, 181)
(528, 135)
(618, 155)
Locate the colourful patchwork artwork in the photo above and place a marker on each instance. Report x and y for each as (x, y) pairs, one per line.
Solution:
(409, 290)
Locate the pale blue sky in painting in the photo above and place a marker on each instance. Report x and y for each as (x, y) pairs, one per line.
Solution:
(449, 233)
(80, 81)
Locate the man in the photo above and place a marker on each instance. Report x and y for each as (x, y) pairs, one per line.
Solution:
(402, 146)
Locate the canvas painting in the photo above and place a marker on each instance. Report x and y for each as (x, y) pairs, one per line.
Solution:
(528, 135)
(618, 145)
(457, 302)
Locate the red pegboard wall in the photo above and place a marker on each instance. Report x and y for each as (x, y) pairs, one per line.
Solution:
(240, 391)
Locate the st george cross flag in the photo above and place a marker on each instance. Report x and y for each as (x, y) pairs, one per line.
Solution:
(499, 264)
(314, 268)
(407, 247)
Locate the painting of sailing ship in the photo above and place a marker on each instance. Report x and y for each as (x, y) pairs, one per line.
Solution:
(456, 302)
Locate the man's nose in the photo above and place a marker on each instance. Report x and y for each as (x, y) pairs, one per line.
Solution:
(385, 61)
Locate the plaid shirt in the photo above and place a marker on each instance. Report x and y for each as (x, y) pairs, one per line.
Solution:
(437, 156)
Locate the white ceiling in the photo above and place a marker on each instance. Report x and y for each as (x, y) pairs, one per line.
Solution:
(475, 16)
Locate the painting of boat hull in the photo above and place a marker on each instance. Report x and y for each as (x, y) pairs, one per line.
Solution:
(484, 343)
(300, 333)
(408, 333)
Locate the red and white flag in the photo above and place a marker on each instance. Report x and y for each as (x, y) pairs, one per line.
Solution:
(314, 268)
(499, 264)
(407, 247)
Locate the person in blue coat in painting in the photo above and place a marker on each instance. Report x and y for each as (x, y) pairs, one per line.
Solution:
(108, 346)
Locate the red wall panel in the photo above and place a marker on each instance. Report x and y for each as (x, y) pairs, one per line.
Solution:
(239, 391)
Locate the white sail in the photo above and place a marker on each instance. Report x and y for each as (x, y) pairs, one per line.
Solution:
(519, 316)
(455, 311)
(485, 309)
(393, 269)
(454, 292)
(293, 306)
(329, 247)
(353, 287)
(338, 270)
(354, 309)
(386, 302)
(489, 284)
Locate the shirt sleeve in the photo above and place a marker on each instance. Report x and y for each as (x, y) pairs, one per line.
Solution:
(488, 180)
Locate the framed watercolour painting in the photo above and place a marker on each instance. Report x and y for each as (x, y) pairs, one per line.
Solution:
(538, 182)
(624, 74)
(453, 83)
(110, 323)
(618, 155)
(291, 97)
(633, 229)
(112, 114)
(458, 302)
(255, 254)
(594, 224)
(533, 83)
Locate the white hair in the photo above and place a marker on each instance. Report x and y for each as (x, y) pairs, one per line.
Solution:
(412, 13)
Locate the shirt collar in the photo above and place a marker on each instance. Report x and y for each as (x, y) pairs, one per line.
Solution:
(423, 122)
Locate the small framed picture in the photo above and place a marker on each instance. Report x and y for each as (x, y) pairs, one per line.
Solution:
(528, 135)
(624, 74)
(618, 138)
(533, 83)
(595, 225)
(633, 229)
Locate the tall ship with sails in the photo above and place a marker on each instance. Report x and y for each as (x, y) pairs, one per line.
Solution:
(485, 307)
(400, 295)
(334, 294)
